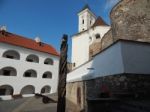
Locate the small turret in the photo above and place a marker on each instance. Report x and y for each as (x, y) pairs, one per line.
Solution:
(86, 18)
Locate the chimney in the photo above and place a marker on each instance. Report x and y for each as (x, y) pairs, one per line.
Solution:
(38, 41)
(3, 30)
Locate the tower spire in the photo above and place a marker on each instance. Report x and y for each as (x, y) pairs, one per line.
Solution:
(85, 7)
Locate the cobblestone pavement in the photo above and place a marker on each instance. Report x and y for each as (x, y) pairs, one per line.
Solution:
(31, 104)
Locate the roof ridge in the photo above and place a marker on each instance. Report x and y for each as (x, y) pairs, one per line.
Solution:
(28, 43)
(85, 7)
(100, 22)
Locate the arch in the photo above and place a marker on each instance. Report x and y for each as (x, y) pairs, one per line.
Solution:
(47, 75)
(11, 54)
(46, 89)
(6, 90)
(97, 36)
(32, 58)
(30, 73)
(8, 71)
(29, 89)
(49, 61)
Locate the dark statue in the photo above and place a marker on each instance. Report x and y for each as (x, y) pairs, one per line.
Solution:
(62, 75)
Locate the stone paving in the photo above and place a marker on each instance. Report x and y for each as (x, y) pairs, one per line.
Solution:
(31, 104)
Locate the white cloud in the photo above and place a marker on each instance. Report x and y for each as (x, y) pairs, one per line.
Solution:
(111, 3)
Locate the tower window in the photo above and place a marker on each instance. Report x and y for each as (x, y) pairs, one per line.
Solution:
(97, 36)
(83, 21)
(74, 64)
(90, 39)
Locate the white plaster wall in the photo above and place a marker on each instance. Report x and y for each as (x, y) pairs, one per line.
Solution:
(80, 49)
(87, 15)
(81, 25)
(18, 82)
(108, 62)
(136, 57)
(102, 30)
(81, 43)
(122, 57)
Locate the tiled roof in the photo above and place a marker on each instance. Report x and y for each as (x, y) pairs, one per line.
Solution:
(13, 39)
(100, 22)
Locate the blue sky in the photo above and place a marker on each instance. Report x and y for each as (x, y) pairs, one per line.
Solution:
(48, 19)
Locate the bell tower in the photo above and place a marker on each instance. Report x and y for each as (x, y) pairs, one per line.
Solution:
(86, 18)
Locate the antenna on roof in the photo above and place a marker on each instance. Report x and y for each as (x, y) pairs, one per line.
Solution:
(37, 39)
(3, 28)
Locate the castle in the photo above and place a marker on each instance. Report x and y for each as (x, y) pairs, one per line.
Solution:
(111, 73)
(91, 30)
(26, 66)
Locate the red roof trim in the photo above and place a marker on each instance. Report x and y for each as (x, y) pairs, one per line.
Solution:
(9, 38)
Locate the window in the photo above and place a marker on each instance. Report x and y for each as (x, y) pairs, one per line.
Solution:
(32, 58)
(83, 21)
(79, 95)
(8, 56)
(90, 39)
(29, 60)
(47, 75)
(27, 74)
(6, 90)
(30, 73)
(46, 89)
(8, 71)
(43, 90)
(29, 89)
(97, 36)
(74, 64)
(11, 54)
(2, 91)
(44, 75)
(48, 61)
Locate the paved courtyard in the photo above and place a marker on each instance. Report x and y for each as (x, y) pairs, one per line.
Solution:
(31, 104)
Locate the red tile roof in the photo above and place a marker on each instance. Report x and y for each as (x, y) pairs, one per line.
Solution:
(17, 40)
(100, 22)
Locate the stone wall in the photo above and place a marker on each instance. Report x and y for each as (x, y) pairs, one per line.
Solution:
(134, 85)
(75, 97)
(124, 87)
(105, 42)
(94, 49)
(130, 20)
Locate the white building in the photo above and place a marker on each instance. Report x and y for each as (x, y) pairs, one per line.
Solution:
(26, 66)
(91, 29)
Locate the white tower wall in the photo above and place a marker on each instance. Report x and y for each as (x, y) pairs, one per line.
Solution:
(81, 43)
(86, 20)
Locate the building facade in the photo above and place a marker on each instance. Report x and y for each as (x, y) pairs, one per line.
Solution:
(26, 66)
(117, 77)
(91, 29)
